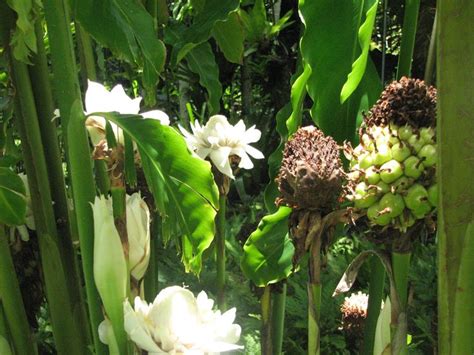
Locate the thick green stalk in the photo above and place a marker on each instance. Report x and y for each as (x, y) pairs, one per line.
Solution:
(377, 281)
(220, 252)
(266, 337)
(407, 45)
(4, 332)
(151, 276)
(12, 303)
(455, 169)
(77, 144)
(400, 266)
(65, 315)
(314, 298)
(86, 55)
(49, 135)
(278, 316)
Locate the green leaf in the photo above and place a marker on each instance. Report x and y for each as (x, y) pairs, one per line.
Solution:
(230, 37)
(182, 183)
(298, 94)
(382, 331)
(201, 61)
(12, 198)
(328, 46)
(255, 22)
(269, 250)
(200, 30)
(23, 39)
(127, 29)
(365, 37)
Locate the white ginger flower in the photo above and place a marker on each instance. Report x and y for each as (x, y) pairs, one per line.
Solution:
(178, 323)
(219, 140)
(99, 99)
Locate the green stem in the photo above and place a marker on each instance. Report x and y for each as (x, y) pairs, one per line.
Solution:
(407, 45)
(376, 286)
(77, 145)
(431, 58)
(151, 276)
(266, 338)
(455, 83)
(10, 295)
(65, 315)
(220, 252)
(4, 332)
(400, 266)
(314, 298)
(278, 316)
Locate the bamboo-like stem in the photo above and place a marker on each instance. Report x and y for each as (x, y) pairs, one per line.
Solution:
(220, 252)
(151, 276)
(400, 266)
(376, 286)
(314, 297)
(65, 317)
(13, 308)
(455, 169)
(407, 45)
(78, 153)
(278, 316)
(431, 58)
(266, 337)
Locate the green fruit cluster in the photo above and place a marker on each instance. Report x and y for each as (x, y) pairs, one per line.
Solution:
(391, 174)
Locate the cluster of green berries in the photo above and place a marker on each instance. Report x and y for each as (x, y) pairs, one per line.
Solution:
(392, 174)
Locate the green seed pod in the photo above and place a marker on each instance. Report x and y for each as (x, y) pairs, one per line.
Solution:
(377, 215)
(427, 135)
(391, 171)
(366, 160)
(393, 202)
(416, 199)
(415, 142)
(372, 175)
(405, 132)
(401, 184)
(433, 195)
(400, 151)
(428, 156)
(383, 187)
(413, 167)
(364, 197)
(382, 155)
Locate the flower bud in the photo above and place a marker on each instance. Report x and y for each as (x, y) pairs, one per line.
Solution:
(138, 232)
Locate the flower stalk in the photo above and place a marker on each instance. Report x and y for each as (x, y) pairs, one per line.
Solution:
(220, 250)
(278, 315)
(266, 305)
(12, 302)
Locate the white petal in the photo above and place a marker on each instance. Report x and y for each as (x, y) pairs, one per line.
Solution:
(137, 331)
(254, 153)
(245, 162)
(252, 135)
(104, 327)
(157, 115)
(203, 152)
(220, 157)
(122, 102)
(97, 98)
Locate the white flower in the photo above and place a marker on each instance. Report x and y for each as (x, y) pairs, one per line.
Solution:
(219, 140)
(178, 323)
(99, 99)
(138, 232)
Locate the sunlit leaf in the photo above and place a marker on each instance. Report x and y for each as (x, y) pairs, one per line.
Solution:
(182, 184)
(12, 198)
(365, 37)
(382, 332)
(201, 61)
(268, 252)
(229, 36)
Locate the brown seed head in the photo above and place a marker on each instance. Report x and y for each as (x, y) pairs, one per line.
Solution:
(407, 101)
(311, 174)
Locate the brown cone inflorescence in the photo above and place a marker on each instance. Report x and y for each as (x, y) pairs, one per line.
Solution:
(407, 101)
(311, 174)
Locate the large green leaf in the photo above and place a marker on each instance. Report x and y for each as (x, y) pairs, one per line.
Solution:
(365, 37)
(12, 198)
(269, 251)
(182, 183)
(230, 36)
(200, 30)
(329, 46)
(201, 61)
(127, 29)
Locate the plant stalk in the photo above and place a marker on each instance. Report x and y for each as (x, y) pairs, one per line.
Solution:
(77, 148)
(151, 276)
(266, 305)
(13, 308)
(431, 58)
(278, 316)
(407, 44)
(400, 266)
(220, 252)
(376, 286)
(455, 169)
(64, 313)
(314, 297)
